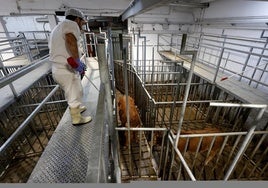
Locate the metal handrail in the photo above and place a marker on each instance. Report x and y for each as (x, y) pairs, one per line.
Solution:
(23, 71)
(24, 124)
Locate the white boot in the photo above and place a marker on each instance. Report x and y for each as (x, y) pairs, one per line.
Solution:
(82, 109)
(77, 118)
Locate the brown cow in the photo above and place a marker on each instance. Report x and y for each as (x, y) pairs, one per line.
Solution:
(205, 144)
(134, 118)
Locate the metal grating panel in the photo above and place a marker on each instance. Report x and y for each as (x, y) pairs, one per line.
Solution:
(66, 156)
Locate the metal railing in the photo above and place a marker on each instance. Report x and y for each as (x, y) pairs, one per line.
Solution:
(244, 59)
(28, 124)
(22, 50)
(164, 112)
(10, 78)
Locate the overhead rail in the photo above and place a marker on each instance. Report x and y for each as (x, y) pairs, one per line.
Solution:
(140, 6)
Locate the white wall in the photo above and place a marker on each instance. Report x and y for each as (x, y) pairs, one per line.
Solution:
(236, 8)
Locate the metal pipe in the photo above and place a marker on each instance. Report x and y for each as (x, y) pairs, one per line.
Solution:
(240, 152)
(113, 133)
(10, 84)
(219, 61)
(233, 49)
(91, 82)
(183, 52)
(127, 107)
(181, 158)
(15, 75)
(251, 156)
(141, 128)
(241, 74)
(263, 106)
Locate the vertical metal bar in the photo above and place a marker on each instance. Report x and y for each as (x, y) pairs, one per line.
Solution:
(259, 60)
(245, 64)
(166, 159)
(138, 39)
(158, 35)
(152, 73)
(162, 152)
(35, 43)
(263, 71)
(238, 138)
(37, 137)
(196, 151)
(111, 59)
(219, 154)
(48, 116)
(85, 42)
(220, 58)
(14, 126)
(187, 87)
(176, 93)
(26, 47)
(171, 164)
(140, 152)
(10, 85)
(144, 58)
(127, 107)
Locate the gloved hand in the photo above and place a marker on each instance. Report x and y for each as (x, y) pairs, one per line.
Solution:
(81, 68)
(77, 64)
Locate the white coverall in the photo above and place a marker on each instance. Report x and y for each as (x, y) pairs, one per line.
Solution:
(68, 79)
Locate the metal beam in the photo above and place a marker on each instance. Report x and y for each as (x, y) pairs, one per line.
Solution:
(190, 5)
(140, 6)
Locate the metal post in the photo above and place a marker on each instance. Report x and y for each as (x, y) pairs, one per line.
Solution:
(183, 52)
(219, 61)
(127, 107)
(10, 84)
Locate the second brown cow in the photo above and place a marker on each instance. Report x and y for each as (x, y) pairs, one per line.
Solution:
(206, 142)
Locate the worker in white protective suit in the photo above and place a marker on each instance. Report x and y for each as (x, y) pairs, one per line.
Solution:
(66, 64)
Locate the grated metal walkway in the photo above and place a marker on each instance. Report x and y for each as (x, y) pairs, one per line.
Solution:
(66, 156)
